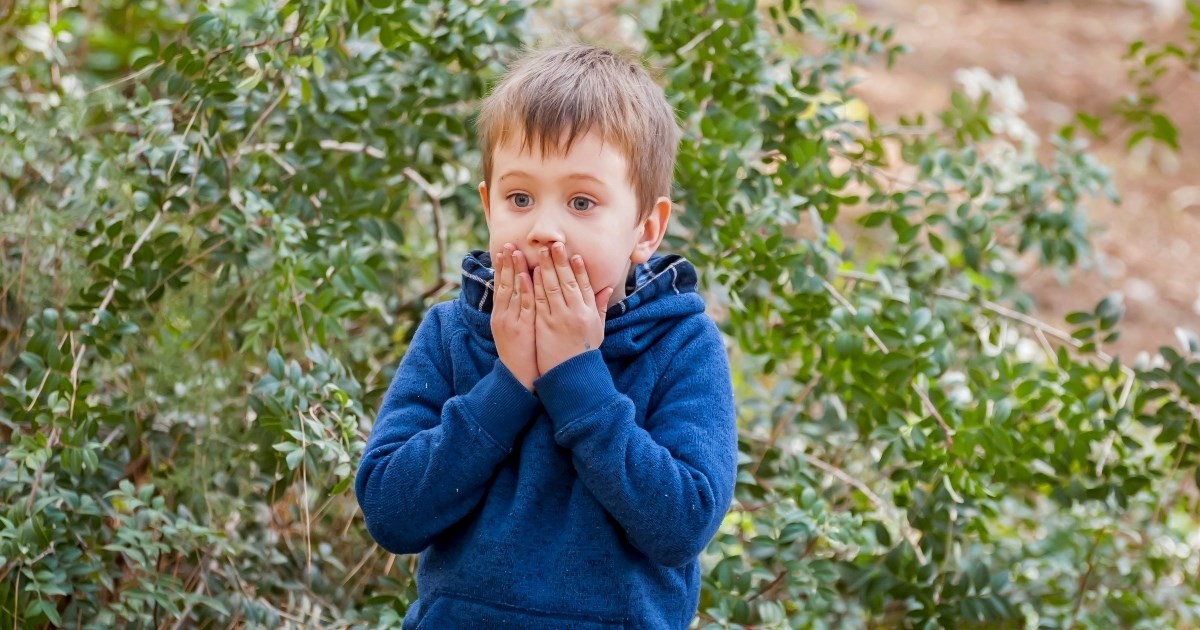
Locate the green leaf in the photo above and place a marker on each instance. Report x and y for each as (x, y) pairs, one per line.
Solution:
(199, 23)
(293, 458)
(918, 320)
(33, 361)
(1079, 317)
(275, 364)
(45, 608)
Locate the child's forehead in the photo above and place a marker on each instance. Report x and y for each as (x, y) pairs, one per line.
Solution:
(566, 147)
(609, 170)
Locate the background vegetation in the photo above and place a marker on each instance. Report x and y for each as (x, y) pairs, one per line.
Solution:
(221, 222)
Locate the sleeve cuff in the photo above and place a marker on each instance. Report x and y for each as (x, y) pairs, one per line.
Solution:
(501, 405)
(575, 388)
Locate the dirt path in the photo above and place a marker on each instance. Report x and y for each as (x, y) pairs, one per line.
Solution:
(1066, 57)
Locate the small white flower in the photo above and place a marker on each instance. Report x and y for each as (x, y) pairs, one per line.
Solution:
(72, 86)
(1028, 350)
(38, 38)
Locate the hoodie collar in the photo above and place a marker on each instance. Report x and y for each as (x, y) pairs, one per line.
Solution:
(662, 288)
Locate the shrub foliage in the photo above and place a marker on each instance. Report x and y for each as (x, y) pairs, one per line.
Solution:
(221, 222)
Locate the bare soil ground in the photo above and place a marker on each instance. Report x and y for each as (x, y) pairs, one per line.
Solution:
(1066, 57)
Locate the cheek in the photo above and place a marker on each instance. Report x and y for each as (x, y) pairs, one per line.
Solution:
(604, 273)
(498, 235)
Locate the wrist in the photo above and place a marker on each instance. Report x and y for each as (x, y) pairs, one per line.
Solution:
(522, 376)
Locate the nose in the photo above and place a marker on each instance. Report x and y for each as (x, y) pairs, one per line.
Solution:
(544, 231)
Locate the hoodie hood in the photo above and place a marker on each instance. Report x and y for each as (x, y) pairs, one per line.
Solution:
(659, 292)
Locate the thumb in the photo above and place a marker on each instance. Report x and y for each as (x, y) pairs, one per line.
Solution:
(602, 303)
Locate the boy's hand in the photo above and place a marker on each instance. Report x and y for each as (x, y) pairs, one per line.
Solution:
(570, 317)
(513, 315)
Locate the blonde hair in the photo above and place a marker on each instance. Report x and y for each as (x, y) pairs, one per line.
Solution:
(575, 88)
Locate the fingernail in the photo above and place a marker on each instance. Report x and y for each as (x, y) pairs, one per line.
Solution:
(578, 260)
(558, 246)
(545, 252)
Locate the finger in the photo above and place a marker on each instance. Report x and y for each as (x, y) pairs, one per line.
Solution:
(541, 303)
(521, 264)
(520, 270)
(602, 303)
(551, 287)
(525, 290)
(585, 283)
(566, 276)
(500, 302)
(510, 273)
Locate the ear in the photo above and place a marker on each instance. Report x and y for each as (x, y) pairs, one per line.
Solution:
(651, 231)
(483, 196)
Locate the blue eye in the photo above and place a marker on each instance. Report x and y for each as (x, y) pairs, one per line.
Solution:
(521, 200)
(585, 206)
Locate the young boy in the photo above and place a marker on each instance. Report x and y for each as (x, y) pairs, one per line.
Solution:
(559, 444)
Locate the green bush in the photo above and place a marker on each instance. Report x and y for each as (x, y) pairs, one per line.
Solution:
(220, 228)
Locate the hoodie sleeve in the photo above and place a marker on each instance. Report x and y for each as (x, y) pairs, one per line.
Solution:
(431, 454)
(668, 484)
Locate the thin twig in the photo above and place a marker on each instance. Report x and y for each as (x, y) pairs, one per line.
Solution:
(1083, 581)
(20, 280)
(1004, 311)
(853, 311)
(352, 147)
(358, 567)
(307, 514)
(775, 582)
(186, 131)
(216, 320)
(263, 43)
(30, 562)
(187, 611)
(387, 568)
(262, 118)
(188, 264)
(812, 541)
(929, 407)
(52, 22)
(1028, 321)
(1169, 497)
(438, 228)
(296, 300)
(875, 499)
(1046, 346)
(125, 79)
(1112, 437)
(784, 418)
(683, 50)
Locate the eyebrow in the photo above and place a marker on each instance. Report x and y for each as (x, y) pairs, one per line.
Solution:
(569, 176)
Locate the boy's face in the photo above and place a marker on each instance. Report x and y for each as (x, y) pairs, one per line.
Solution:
(583, 199)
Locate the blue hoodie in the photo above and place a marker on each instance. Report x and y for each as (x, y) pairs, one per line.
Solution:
(584, 505)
